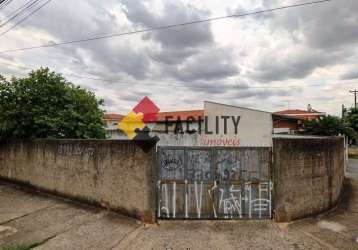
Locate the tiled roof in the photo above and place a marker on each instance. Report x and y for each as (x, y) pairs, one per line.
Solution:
(161, 116)
(112, 116)
(279, 117)
(182, 114)
(299, 112)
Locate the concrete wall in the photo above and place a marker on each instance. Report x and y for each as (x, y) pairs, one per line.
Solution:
(308, 175)
(113, 174)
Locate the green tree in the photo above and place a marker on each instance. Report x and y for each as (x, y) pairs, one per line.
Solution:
(46, 105)
(351, 119)
(329, 126)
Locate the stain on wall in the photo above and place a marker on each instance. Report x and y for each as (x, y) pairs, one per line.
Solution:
(308, 176)
(114, 174)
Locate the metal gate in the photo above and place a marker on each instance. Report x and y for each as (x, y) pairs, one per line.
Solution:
(214, 183)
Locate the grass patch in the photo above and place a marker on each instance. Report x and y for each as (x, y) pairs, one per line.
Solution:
(353, 152)
(17, 247)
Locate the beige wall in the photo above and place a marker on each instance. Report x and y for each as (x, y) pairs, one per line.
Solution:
(308, 175)
(254, 130)
(114, 174)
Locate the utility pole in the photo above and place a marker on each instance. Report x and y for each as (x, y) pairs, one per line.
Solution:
(355, 97)
(343, 111)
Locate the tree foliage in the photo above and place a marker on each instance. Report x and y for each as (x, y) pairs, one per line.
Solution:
(325, 126)
(351, 118)
(45, 105)
(330, 126)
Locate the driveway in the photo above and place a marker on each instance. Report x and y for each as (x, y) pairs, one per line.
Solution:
(352, 168)
(46, 222)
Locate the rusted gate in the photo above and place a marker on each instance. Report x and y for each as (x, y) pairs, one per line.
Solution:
(214, 183)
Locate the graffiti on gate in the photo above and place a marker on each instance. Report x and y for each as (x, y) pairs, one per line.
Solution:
(221, 183)
(249, 200)
(228, 167)
(171, 163)
(198, 166)
(230, 205)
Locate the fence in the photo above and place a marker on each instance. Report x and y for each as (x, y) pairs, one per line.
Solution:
(185, 182)
(213, 183)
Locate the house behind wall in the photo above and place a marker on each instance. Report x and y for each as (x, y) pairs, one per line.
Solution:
(280, 124)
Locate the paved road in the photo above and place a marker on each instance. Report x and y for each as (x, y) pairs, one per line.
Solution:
(352, 166)
(54, 224)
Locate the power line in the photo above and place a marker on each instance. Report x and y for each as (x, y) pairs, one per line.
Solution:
(4, 3)
(23, 19)
(176, 84)
(165, 27)
(28, 5)
(185, 84)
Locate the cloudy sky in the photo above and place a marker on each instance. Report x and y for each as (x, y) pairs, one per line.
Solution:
(270, 61)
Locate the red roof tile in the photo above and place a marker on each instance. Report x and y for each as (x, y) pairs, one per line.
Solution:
(113, 116)
(182, 114)
(161, 116)
(298, 112)
(301, 114)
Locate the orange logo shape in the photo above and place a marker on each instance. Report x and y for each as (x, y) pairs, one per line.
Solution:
(135, 121)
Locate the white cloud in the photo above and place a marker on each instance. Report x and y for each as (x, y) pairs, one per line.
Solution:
(181, 67)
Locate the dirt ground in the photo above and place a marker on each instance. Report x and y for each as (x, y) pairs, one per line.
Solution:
(353, 152)
(51, 223)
